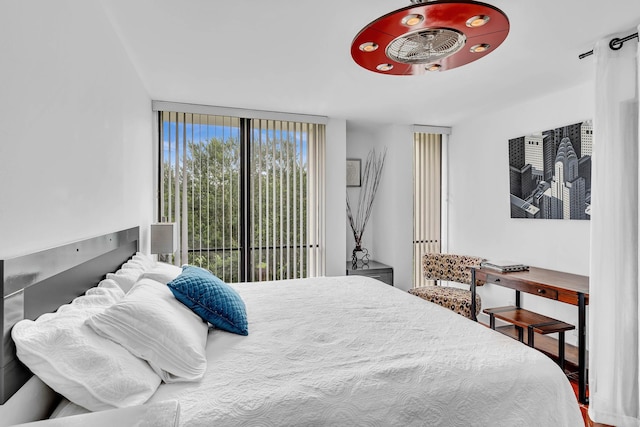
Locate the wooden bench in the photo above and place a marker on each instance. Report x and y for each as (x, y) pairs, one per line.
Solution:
(533, 322)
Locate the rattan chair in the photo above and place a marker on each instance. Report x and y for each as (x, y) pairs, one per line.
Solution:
(450, 268)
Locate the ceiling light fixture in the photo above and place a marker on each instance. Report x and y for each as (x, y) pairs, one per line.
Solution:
(368, 47)
(413, 19)
(479, 48)
(477, 21)
(430, 36)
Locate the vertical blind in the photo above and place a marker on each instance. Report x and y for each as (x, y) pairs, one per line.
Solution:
(287, 199)
(426, 199)
(248, 194)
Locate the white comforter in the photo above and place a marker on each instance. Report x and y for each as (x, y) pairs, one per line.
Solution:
(354, 351)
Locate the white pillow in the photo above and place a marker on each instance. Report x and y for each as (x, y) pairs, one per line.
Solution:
(100, 297)
(162, 272)
(73, 360)
(110, 284)
(67, 408)
(146, 260)
(134, 264)
(125, 277)
(153, 325)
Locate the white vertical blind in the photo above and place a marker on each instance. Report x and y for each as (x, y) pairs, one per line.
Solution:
(199, 181)
(316, 221)
(426, 199)
(444, 189)
(201, 189)
(287, 199)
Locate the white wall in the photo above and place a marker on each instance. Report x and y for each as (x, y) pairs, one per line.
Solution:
(479, 213)
(75, 123)
(389, 233)
(393, 234)
(336, 227)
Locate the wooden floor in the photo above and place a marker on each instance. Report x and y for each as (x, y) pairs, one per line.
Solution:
(585, 408)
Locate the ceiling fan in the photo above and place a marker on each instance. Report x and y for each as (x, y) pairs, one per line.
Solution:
(434, 35)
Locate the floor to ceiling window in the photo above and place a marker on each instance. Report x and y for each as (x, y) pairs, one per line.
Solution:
(247, 193)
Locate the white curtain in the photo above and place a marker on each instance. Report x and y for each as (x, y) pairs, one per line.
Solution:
(614, 356)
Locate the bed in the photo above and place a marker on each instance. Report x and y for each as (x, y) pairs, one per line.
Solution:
(354, 351)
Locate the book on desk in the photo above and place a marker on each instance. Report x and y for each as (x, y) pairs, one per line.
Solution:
(503, 266)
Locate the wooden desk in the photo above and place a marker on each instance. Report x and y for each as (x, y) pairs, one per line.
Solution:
(556, 285)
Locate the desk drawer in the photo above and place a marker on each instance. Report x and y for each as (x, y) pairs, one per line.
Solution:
(523, 286)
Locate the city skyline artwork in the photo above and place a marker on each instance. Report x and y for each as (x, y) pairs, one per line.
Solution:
(550, 173)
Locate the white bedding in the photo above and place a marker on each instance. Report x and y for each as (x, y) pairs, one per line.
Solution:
(355, 351)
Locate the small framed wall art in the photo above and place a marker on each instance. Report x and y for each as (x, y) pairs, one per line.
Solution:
(353, 172)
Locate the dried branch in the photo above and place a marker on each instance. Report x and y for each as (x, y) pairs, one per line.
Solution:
(370, 181)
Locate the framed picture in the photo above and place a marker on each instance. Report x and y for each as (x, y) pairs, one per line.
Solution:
(550, 173)
(353, 172)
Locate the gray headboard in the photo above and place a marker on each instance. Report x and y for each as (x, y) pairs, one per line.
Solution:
(43, 281)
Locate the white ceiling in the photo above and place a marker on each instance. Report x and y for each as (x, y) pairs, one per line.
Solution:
(294, 56)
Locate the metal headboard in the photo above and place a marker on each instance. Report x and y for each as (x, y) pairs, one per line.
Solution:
(43, 281)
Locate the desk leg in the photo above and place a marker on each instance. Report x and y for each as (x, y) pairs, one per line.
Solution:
(582, 343)
(518, 328)
(473, 294)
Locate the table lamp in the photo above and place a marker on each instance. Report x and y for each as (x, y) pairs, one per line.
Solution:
(164, 239)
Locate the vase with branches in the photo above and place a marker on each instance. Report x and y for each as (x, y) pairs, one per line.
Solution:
(369, 186)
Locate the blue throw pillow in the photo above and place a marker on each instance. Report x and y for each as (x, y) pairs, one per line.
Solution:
(210, 298)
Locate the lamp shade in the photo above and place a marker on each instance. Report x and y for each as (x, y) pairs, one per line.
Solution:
(164, 238)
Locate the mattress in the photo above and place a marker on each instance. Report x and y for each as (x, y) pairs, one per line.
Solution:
(354, 351)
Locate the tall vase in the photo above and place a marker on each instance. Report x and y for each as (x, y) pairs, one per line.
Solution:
(359, 254)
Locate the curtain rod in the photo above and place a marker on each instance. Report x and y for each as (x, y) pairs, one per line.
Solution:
(614, 44)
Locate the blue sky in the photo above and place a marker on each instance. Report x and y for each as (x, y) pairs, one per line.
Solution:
(205, 132)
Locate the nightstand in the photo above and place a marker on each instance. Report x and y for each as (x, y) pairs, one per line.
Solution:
(373, 269)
